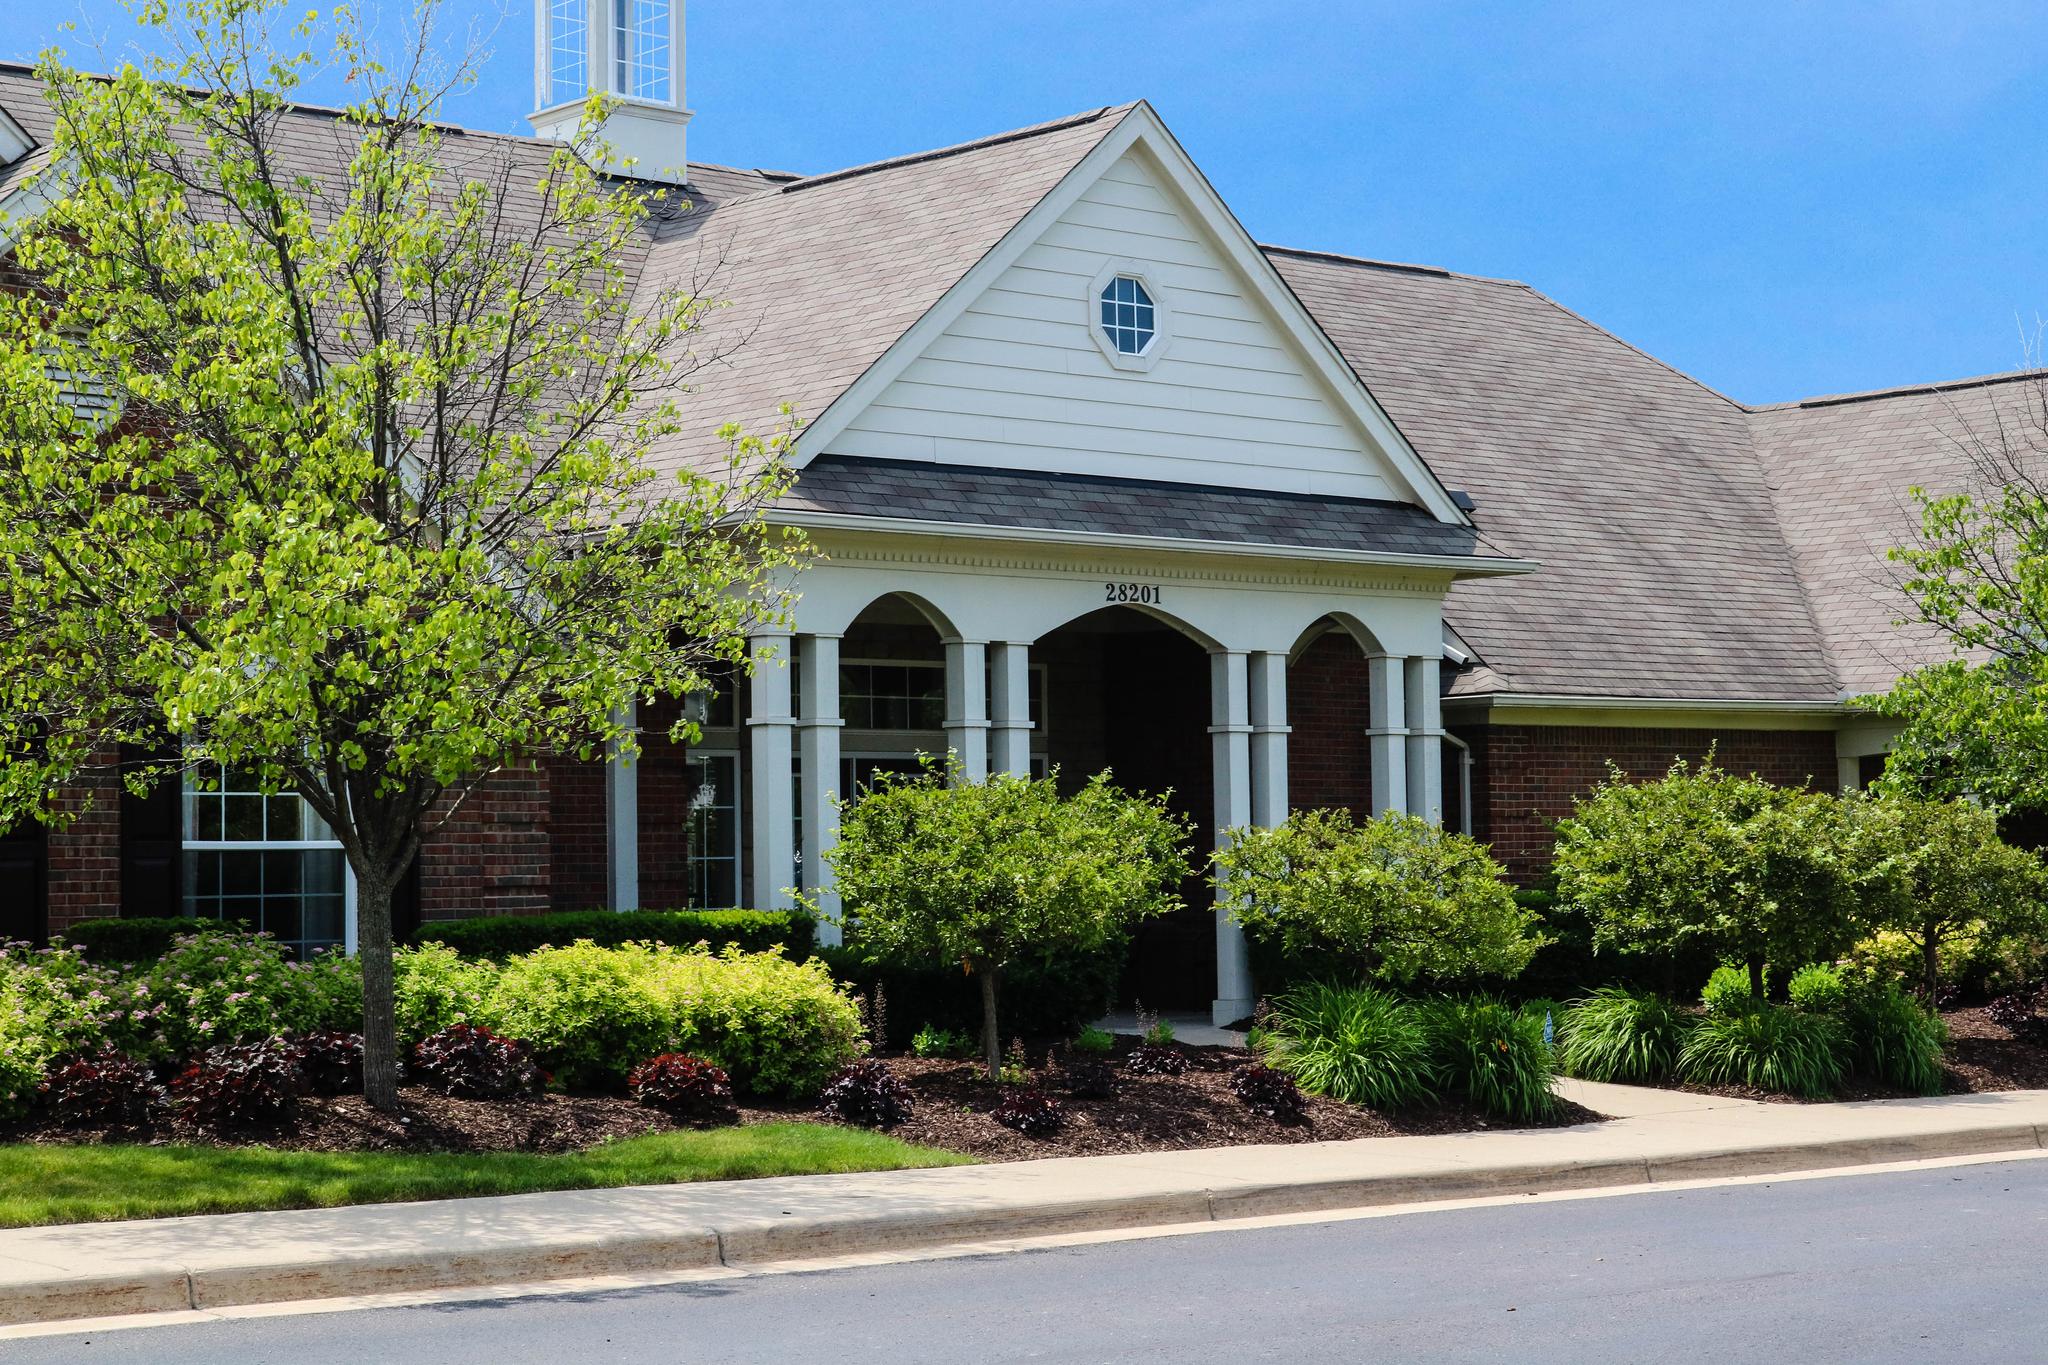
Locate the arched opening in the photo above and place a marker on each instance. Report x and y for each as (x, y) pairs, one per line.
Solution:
(1329, 714)
(892, 690)
(1125, 690)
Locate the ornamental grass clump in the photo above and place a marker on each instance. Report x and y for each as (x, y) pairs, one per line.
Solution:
(1894, 1039)
(1767, 1047)
(1492, 1056)
(1352, 1043)
(1622, 1036)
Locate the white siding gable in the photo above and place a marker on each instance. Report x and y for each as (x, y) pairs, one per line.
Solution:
(1017, 382)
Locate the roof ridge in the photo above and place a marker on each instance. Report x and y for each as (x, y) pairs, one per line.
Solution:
(956, 149)
(1372, 263)
(1835, 400)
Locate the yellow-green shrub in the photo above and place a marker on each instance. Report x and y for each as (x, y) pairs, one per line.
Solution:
(434, 986)
(590, 1013)
(776, 1026)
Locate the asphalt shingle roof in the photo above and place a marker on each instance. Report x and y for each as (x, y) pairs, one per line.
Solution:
(851, 487)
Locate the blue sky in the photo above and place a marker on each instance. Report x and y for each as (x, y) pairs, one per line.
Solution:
(1783, 200)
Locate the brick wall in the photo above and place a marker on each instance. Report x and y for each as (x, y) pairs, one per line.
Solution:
(493, 857)
(84, 868)
(578, 878)
(1525, 776)
(665, 788)
(1329, 759)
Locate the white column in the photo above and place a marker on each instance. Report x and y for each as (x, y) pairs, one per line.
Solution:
(818, 723)
(1230, 735)
(622, 820)
(769, 723)
(1010, 708)
(1425, 740)
(967, 706)
(1387, 716)
(1268, 678)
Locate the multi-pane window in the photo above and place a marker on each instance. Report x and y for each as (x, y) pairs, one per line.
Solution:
(265, 859)
(906, 696)
(642, 28)
(1128, 319)
(714, 829)
(568, 50)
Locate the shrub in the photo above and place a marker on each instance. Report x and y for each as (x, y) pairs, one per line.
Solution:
(1047, 993)
(1031, 1112)
(333, 1060)
(1755, 873)
(942, 1042)
(981, 874)
(1155, 1059)
(589, 1013)
(1970, 961)
(1894, 1040)
(1100, 1042)
(1088, 1079)
(503, 936)
(239, 1086)
(1619, 1035)
(53, 1001)
(1818, 989)
(470, 1062)
(1940, 875)
(1491, 1056)
(142, 939)
(1396, 899)
(434, 987)
(778, 1027)
(685, 1088)
(218, 985)
(1356, 1044)
(1272, 1093)
(106, 1088)
(1767, 1047)
(2015, 1013)
(1728, 991)
(867, 1093)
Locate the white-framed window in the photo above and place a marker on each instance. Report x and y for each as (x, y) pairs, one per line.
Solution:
(892, 695)
(645, 59)
(264, 859)
(568, 50)
(714, 829)
(1128, 316)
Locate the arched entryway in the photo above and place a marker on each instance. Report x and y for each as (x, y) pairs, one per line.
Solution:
(1127, 691)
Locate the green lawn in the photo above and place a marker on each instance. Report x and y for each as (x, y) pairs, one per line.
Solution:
(40, 1184)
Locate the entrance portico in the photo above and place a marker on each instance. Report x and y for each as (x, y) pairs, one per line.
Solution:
(991, 602)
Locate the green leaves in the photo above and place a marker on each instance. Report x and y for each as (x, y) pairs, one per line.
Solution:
(1396, 898)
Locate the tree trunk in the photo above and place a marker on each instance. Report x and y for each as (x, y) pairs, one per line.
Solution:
(1756, 979)
(380, 1022)
(1931, 960)
(991, 1039)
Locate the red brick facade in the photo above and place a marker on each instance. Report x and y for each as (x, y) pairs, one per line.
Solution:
(84, 857)
(1525, 776)
(493, 857)
(1329, 762)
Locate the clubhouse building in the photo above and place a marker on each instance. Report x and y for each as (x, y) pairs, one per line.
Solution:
(1098, 481)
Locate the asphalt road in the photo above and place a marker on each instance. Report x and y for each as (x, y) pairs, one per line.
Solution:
(1926, 1265)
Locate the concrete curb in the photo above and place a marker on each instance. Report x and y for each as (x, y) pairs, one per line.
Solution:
(579, 1244)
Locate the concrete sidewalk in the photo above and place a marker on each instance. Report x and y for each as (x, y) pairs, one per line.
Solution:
(107, 1269)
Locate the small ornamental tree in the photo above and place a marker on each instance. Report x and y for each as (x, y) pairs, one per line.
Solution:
(1397, 899)
(323, 451)
(1752, 872)
(1941, 874)
(975, 875)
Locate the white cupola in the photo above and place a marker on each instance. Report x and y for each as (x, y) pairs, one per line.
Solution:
(631, 50)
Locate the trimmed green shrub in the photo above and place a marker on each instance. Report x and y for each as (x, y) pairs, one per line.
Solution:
(502, 936)
(434, 988)
(219, 985)
(983, 875)
(1490, 1055)
(777, 1027)
(1352, 1043)
(1396, 900)
(1728, 991)
(1096, 1041)
(942, 1042)
(1619, 1035)
(1894, 1040)
(1818, 989)
(1767, 1047)
(136, 940)
(590, 1013)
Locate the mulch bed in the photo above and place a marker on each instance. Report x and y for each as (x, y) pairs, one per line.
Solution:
(1149, 1114)
(950, 1110)
(429, 1122)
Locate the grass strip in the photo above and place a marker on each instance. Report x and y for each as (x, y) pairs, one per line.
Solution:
(64, 1184)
